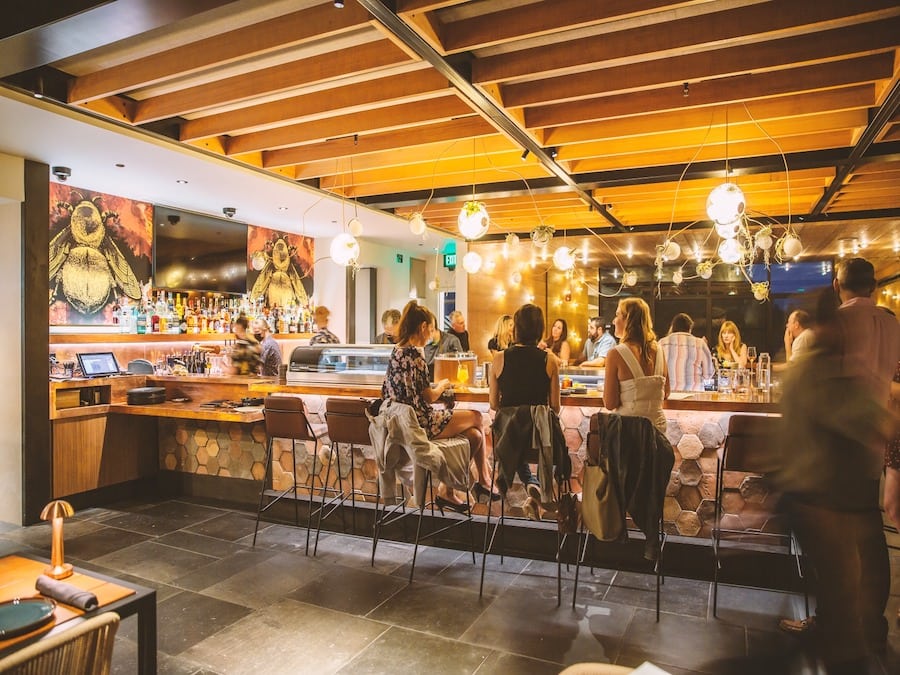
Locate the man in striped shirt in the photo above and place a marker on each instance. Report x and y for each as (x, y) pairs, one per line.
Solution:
(687, 357)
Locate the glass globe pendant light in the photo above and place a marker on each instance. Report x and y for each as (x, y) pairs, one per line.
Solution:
(563, 258)
(344, 249)
(417, 224)
(725, 204)
(473, 220)
(472, 262)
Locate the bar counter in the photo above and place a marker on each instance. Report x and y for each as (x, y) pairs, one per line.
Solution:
(220, 452)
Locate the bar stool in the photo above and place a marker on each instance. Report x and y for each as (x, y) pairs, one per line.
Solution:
(529, 456)
(403, 448)
(347, 423)
(286, 417)
(747, 449)
(651, 472)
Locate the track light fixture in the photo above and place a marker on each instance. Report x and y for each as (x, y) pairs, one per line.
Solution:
(339, 4)
(553, 152)
(525, 154)
(686, 89)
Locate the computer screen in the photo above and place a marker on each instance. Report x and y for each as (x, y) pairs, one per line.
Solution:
(98, 364)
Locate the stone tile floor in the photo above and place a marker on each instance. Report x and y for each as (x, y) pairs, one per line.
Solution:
(226, 607)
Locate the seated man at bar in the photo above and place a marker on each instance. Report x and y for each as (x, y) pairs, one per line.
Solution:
(458, 329)
(797, 335)
(597, 345)
(270, 352)
(390, 322)
(688, 358)
(440, 343)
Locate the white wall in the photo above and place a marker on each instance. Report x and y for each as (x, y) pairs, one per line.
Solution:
(12, 193)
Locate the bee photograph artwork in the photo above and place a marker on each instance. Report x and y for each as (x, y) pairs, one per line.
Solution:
(100, 251)
(280, 267)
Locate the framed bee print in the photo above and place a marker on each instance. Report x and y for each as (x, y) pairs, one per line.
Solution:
(280, 267)
(100, 253)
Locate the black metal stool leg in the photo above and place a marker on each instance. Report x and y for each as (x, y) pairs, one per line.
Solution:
(376, 526)
(262, 492)
(322, 505)
(294, 478)
(421, 507)
(312, 490)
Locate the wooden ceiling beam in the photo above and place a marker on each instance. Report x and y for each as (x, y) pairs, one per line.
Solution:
(407, 6)
(546, 18)
(719, 136)
(290, 30)
(380, 119)
(436, 155)
(727, 90)
(379, 92)
(801, 143)
(742, 25)
(369, 57)
(762, 110)
(778, 54)
(393, 141)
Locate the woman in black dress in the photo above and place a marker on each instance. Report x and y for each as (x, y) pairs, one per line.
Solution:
(406, 381)
(525, 374)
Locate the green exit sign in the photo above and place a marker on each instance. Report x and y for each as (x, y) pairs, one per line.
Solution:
(450, 261)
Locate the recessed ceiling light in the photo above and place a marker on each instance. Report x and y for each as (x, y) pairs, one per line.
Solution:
(282, 208)
(181, 181)
(120, 165)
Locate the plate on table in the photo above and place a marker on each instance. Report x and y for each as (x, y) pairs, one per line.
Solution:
(23, 615)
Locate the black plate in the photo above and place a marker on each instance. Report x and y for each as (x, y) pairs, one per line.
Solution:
(23, 615)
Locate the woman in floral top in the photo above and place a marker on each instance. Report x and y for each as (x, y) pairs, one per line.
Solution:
(406, 381)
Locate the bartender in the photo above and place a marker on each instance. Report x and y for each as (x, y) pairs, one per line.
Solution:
(270, 352)
(245, 352)
(441, 343)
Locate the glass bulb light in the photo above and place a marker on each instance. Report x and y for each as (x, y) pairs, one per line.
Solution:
(725, 204)
(728, 230)
(355, 227)
(704, 269)
(417, 224)
(792, 246)
(344, 249)
(563, 259)
(473, 220)
(731, 251)
(471, 262)
(630, 278)
(512, 241)
(677, 277)
(671, 250)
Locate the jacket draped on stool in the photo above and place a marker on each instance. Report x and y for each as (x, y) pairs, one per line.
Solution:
(403, 450)
(520, 429)
(640, 465)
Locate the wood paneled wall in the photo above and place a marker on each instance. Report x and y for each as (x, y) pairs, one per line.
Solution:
(506, 283)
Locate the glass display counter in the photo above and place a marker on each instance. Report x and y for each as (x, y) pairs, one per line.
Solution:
(338, 364)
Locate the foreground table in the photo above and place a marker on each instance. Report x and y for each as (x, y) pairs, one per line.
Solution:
(18, 575)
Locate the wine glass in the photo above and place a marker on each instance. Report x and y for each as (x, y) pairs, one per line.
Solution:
(751, 356)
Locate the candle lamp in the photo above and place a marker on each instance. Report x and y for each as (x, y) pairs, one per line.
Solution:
(55, 511)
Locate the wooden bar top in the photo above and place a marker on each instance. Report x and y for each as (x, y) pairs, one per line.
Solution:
(192, 410)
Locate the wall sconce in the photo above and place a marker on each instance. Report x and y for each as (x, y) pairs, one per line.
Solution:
(55, 511)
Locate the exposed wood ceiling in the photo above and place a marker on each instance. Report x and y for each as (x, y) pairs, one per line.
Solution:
(629, 109)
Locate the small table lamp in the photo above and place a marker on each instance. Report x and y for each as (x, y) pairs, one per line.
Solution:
(55, 511)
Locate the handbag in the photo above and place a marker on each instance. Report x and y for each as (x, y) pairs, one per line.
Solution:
(567, 511)
(600, 509)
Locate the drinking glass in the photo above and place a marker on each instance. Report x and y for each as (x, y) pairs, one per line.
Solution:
(462, 373)
(751, 356)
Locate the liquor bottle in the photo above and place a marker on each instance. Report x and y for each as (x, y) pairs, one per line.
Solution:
(141, 323)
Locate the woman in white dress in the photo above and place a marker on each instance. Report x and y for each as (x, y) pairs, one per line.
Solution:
(636, 381)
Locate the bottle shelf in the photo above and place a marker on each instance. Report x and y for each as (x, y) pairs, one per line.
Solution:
(135, 338)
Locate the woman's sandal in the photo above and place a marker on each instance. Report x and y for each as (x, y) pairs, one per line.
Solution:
(460, 507)
(480, 491)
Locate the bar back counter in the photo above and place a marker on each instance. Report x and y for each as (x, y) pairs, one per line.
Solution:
(202, 442)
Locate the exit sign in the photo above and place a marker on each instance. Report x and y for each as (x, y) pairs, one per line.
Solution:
(450, 261)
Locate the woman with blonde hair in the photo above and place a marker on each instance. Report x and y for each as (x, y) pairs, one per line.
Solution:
(503, 335)
(636, 381)
(731, 351)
